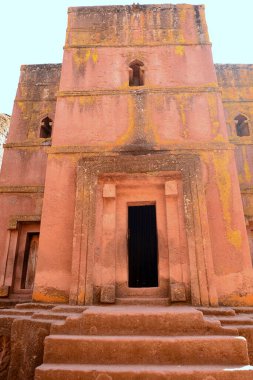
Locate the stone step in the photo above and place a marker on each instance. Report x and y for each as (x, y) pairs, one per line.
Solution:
(34, 305)
(247, 315)
(243, 309)
(140, 320)
(37, 314)
(239, 327)
(217, 311)
(57, 322)
(8, 302)
(51, 315)
(247, 332)
(237, 320)
(140, 372)
(231, 330)
(78, 349)
(152, 301)
(69, 309)
(18, 312)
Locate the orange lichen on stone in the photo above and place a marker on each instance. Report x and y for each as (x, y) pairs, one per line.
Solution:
(48, 297)
(221, 163)
(212, 104)
(127, 137)
(247, 173)
(243, 300)
(179, 50)
(81, 57)
(94, 56)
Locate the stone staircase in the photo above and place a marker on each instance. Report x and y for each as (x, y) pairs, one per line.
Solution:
(127, 342)
(144, 342)
(23, 329)
(239, 318)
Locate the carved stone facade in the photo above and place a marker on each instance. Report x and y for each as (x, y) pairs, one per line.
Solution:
(136, 116)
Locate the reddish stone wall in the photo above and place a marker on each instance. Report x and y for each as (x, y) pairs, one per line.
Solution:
(237, 95)
(24, 164)
(178, 109)
(171, 41)
(35, 99)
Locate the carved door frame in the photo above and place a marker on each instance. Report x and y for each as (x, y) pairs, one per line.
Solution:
(203, 290)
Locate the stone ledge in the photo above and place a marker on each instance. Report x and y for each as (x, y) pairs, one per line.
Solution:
(13, 222)
(237, 100)
(143, 90)
(110, 8)
(36, 100)
(241, 141)
(21, 189)
(29, 143)
(248, 190)
(112, 150)
(153, 44)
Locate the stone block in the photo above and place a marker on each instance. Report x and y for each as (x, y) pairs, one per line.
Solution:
(107, 294)
(109, 190)
(178, 292)
(171, 188)
(4, 291)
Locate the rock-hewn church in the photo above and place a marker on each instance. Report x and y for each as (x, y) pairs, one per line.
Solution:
(127, 181)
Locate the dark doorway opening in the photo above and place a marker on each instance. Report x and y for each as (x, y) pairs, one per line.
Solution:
(30, 260)
(142, 247)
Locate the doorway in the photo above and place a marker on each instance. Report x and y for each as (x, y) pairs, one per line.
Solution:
(25, 259)
(142, 247)
(30, 260)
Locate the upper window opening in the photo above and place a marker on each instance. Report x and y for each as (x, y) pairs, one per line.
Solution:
(46, 128)
(136, 73)
(242, 126)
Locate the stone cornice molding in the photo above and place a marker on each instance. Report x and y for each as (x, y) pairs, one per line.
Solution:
(111, 45)
(138, 91)
(21, 189)
(177, 148)
(14, 220)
